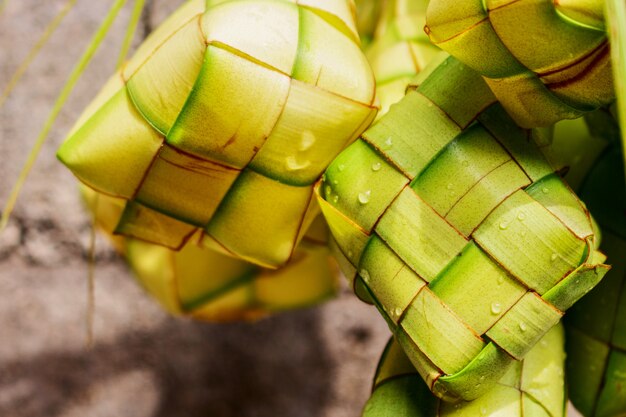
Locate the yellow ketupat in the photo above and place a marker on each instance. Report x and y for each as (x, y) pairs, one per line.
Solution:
(401, 49)
(223, 120)
(206, 285)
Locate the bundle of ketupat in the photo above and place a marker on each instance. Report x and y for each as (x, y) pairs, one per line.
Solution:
(223, 120)
(467, 241)
(443, 213)
(206, 285)
(533, 387)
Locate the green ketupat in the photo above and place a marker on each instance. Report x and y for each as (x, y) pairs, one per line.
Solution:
(223, 120)
(545, 60)
(533, 387)
(596, 326)
(400, 49)
(206, 285)
(447, 217)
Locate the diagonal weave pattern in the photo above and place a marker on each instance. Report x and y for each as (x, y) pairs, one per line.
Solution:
(459, 230)
(544, 60)
(203, 284)
(534, 386)
(224, 119)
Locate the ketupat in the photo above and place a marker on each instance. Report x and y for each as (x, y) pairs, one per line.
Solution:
(596, 364)
(545, 60)
(206, 285)
(223, 120)
(400, 49)
(533, 387)
(468, 242)
(367, 15)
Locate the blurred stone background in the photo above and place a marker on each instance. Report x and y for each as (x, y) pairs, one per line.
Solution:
(315, 362)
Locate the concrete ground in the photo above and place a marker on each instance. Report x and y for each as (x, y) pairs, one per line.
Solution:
(316, 362)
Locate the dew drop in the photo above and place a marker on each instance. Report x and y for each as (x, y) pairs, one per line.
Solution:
(376, 166)
(365, 275)
(503, 225)
(341, 167)
(389, 142)
(335, 199)
(294, 165)
(553, 257)
(449, 186)
(328, 191)
(307, 140)
(496, 308)
(364, 197)
(522, 326)
(350, 253)
(397, 311)
(335, 182)
(483, 411)
(544, 190)
(500, 280)
(521, 216)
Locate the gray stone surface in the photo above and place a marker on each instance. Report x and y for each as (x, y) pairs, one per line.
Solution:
(316, 362)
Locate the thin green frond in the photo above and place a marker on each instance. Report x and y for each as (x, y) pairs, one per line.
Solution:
(130, 31)
(58, 105)
(43, 40)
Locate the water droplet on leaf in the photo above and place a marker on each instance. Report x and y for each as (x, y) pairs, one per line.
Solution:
(364, 197)
(365, 275)
(496, 308)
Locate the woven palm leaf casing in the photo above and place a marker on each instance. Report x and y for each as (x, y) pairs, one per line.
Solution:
(544, 60)
(400, 49)
(459, 230)
(533, 387)
(203, 284)
(596, 327)
(224, 119)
